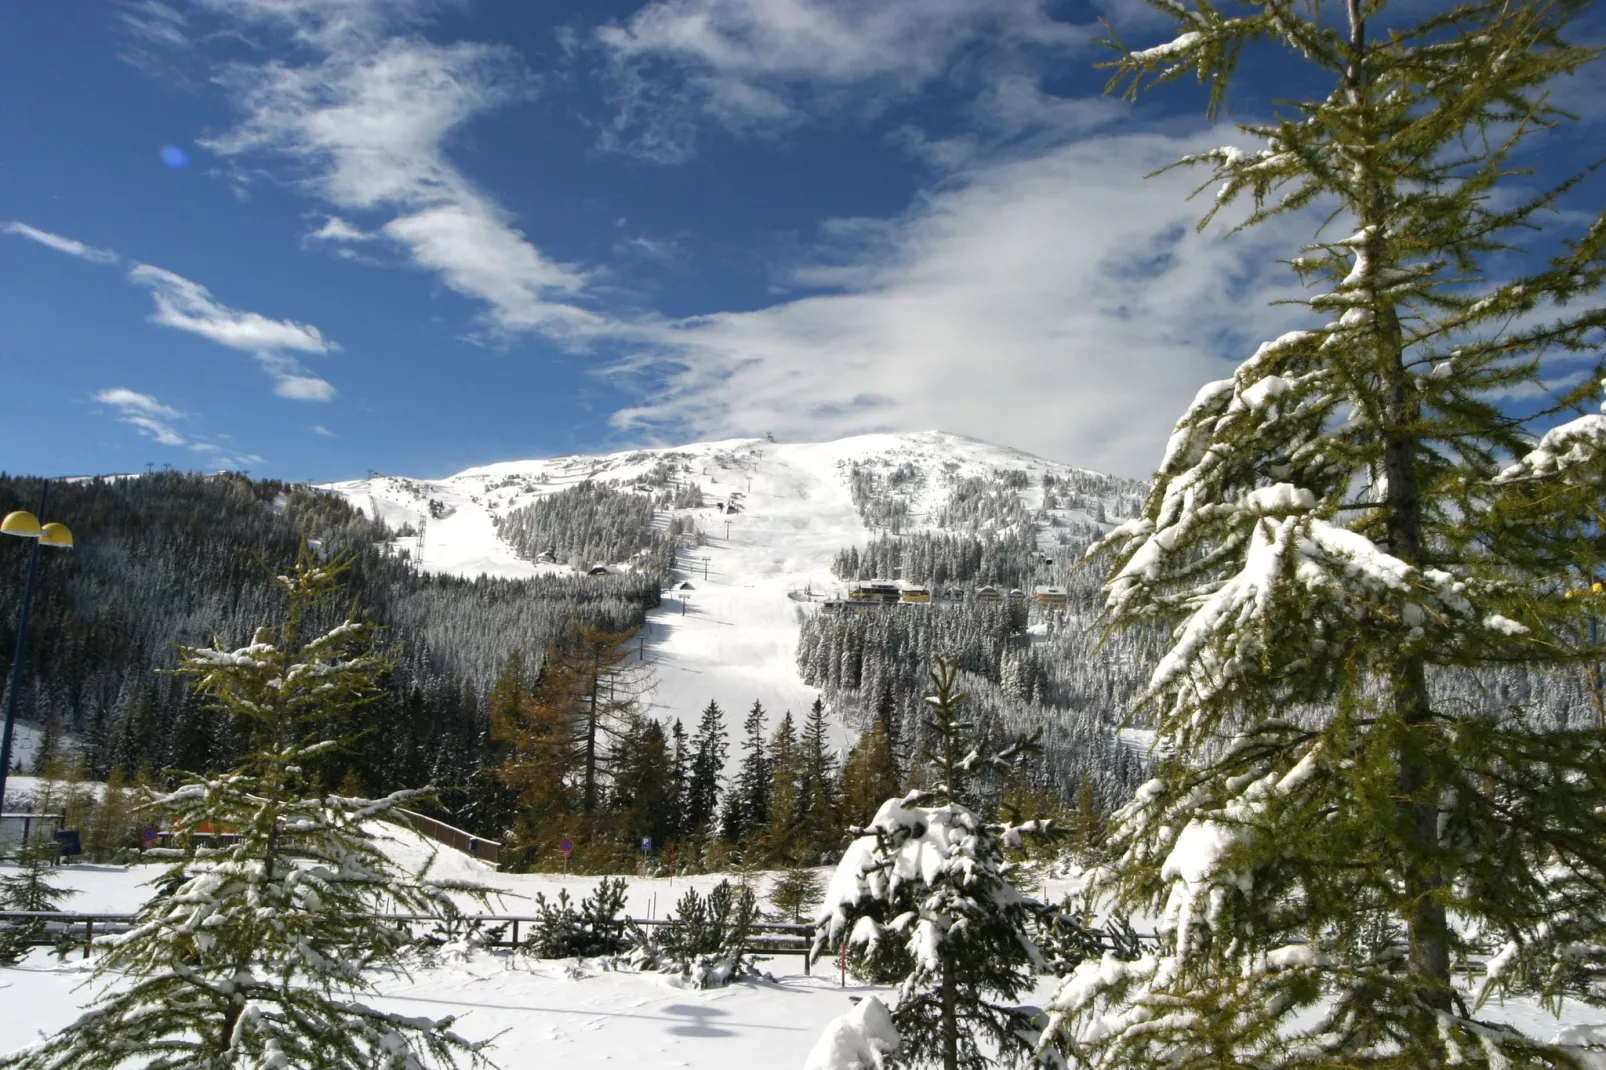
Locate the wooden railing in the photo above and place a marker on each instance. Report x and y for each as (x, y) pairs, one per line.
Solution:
(497, 930)
(455, 838)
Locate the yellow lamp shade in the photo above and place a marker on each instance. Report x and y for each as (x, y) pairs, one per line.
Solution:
(56, 535)
(1597, 587)
(21, 523)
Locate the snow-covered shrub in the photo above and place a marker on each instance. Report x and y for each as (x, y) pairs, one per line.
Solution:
(864, 1038)
(705, 942)
(594, 929)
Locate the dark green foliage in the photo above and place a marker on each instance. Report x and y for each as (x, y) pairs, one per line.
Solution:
(32, 889)
(595, 929)
(795, 894)
(706, 768)
(706, 939)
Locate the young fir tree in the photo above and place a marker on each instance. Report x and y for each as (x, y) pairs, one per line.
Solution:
(795, 894)
(819, 823)
(924, 891)
(1350, 520)
(30, 889)
(708, 750)
(251, 952)
(780, 834)
(748, 803)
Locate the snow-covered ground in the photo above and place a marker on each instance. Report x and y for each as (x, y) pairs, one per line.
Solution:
(578, 1014)
(733, 636)
(565, 1012)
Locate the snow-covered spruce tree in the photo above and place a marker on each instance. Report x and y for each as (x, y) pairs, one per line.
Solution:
(924, 891)
(257, 942)
(1348, 520)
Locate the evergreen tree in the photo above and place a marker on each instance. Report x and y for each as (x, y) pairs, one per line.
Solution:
(1355, 517)
(708, 750)
(644, 784)
(780, 835)
(679, 781)
(30, 889)
(748, 801)
(819, 822)
(795, 894)
(870, 775)
(249, 953)
(923, 893)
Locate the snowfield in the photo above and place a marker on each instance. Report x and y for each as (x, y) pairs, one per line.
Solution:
(566, 1012)
(578, 1013)
(732, 637)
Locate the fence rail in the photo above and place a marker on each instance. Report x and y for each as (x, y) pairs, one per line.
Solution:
(439, 831)
(765, 938)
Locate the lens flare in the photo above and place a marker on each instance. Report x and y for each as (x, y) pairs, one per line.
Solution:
(174, 157)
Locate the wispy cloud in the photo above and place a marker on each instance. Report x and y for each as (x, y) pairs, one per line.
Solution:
(144, 412)
(62, 245)
(1056, 304)
(322, 431)
(755, 66)
(188, 306)
(154, 420)
(363, 109)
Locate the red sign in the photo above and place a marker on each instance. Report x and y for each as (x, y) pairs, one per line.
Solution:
(566, 845)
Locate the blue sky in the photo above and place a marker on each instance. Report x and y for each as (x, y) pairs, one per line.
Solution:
(313, 237)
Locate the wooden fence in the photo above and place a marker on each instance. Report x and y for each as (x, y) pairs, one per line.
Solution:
(455, 838)
(495, 930)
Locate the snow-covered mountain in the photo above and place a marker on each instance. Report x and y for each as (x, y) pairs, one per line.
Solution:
(772, 518)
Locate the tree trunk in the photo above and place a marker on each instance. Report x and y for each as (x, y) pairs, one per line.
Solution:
(1418, 806)
(950, 1021)
(589, 800)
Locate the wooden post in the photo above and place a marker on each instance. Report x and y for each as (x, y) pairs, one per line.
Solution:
(89, 935)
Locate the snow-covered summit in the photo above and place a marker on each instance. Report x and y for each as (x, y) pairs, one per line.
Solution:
(772, 516)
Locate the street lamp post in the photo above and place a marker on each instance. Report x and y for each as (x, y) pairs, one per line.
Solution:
(24, 524)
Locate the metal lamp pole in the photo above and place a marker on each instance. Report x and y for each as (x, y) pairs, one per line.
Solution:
(26, 526)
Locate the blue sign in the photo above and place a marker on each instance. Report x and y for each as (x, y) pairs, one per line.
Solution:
(646, 843)
(566, 845)
(149, 835)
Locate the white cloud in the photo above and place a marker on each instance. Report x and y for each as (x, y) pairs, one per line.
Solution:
(303, 388)
(188, 306)
(322, 431)
(756, 65)
(338, 230)
(365, 113)
(1060, 304)
(69, 246)
(144, 413)
(154, 420)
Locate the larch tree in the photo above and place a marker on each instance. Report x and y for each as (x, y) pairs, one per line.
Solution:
(533, 726)
(257, 945)
(1363, 512)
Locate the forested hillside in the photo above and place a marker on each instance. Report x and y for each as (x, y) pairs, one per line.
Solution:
(165, 559)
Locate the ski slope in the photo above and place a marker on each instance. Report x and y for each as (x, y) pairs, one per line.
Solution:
(732, 636)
